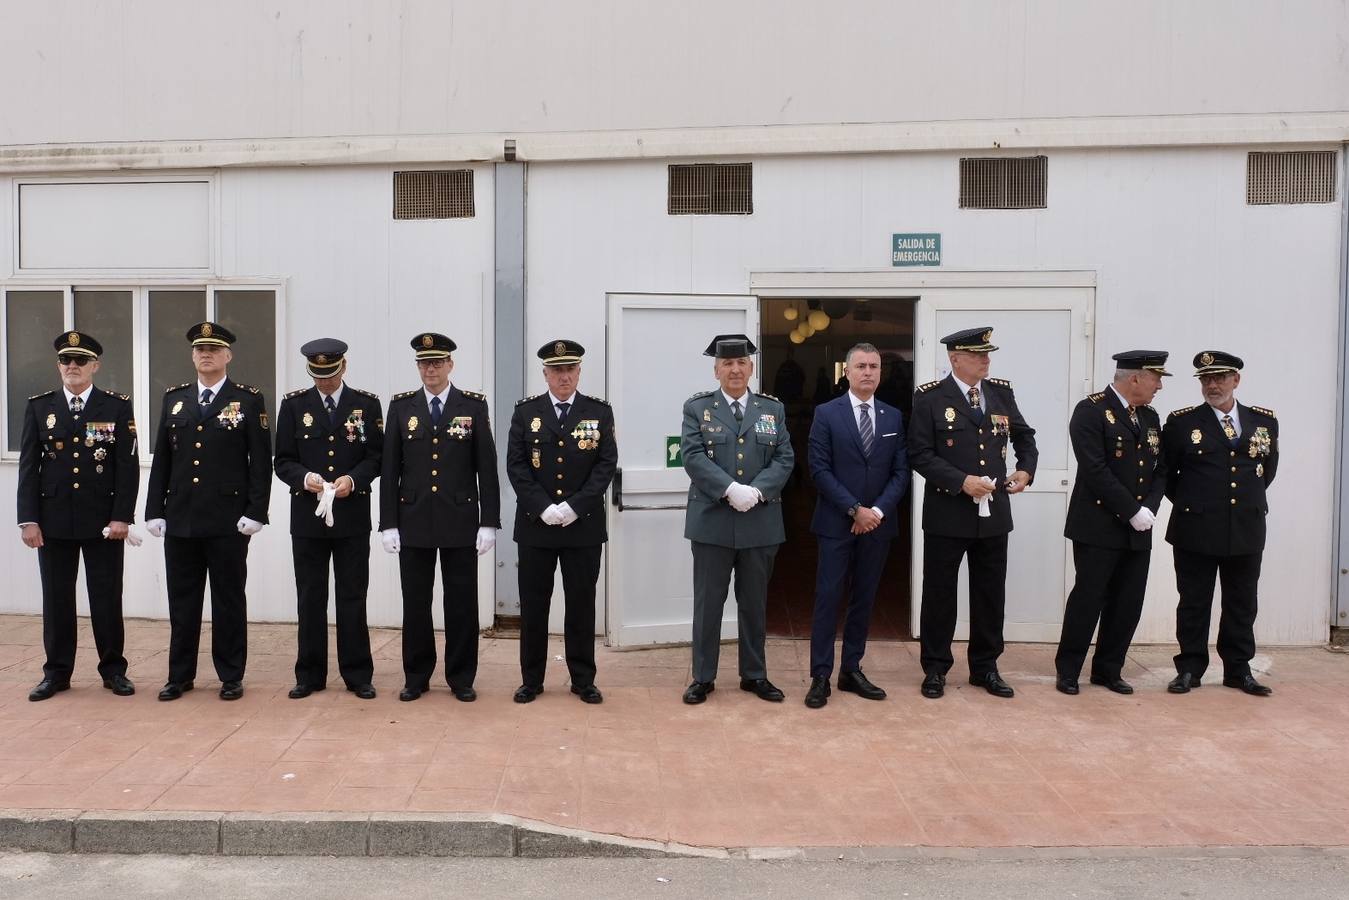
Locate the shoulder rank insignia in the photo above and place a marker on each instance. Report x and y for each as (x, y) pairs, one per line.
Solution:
(473, 394)
(370, 394)
(1096, 398)
(41, 395)
(1003, 382)
(600, 400)
(404, 395)
(1182, 411)
(700, 395)
(177, 387)
(294, 393)
(523, 400)
(1265, 411)
(769, 396)
(929, 386)
(246, 387)
(117, 395)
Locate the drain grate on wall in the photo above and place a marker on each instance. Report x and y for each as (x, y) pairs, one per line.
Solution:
(433, 195)
(1004, 183)
(711, 189)
(1290, 176)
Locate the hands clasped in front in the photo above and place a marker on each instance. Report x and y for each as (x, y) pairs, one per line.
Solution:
(742, 497)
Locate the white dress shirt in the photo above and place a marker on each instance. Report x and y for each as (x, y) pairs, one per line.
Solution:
(84, 397)
(570, 401)
(965, 389)
(857, 402)
(213, 388)
(1236, 420)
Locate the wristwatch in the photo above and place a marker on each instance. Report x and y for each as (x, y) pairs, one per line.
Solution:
(852, 510)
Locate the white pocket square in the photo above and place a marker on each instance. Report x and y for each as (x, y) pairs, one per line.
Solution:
(891, 434)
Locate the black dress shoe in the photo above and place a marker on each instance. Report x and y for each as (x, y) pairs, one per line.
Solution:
(1116, 684)
(175, 689)
(588, 693)
(858, 684)
(763, 689)
(120, 685)
(364, 691)
(993, 683)
(231, 690)
(411, 693)
(698, 691)
(47, 688)
(1183, 683)
(1247, 684)
(300, 691)
(526, 694)
(1065, 685)
(464, 694)
(818, 695)
(934, 685)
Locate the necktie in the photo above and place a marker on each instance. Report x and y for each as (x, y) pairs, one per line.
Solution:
(332, 411)
(1133, 416)
(1229, 429)
(739, 413)
(562, 409)
(206, 397)
(435, 412)
(868, 433)
(76, 406)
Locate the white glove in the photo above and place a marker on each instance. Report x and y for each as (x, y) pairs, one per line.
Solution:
(742, 497)
(487, 539)
(564, 510)
(984, 501)
(248, 527)
(156, 527)
(392, 541)
(551, 516)
(132, 537)
(1143, 520)
(325, 504)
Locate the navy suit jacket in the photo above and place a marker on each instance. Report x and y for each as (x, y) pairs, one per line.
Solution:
(844, 475)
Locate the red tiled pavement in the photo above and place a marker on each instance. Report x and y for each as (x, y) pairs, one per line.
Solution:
(1212, 768)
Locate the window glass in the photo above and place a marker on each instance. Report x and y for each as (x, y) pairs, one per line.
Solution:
(172, 313)
(106, 316)
(33, 319)
(251, 315)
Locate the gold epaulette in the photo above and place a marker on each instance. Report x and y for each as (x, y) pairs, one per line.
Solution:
(294, 394)
(117, 395)
(1182, 411)
(474, 394)
(700, 395)
(404, 395)
(1000, 381)
(1096, 398)
(41, 395)
(525, 400)
(1265, 411)
(177, 387)
(371, 394)
(929, 386)
(246, 387)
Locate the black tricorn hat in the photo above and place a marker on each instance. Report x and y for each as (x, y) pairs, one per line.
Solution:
(731, 346)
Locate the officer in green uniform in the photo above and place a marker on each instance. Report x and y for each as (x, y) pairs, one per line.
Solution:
(738, 454)
(78, 478)
(1220, 457)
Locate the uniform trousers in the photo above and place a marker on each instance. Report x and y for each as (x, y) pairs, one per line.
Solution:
(459, 579)
(1195, 577)
(1108, 589)
(350, 558)
(580, 571)
(712, 569)
(59, 564)
(188, 563)
(863, 557)
(988, 586)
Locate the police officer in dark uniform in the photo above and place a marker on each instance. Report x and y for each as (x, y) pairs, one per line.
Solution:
(1220, 457)
(210, 484)
(329, 441)
(958, 437)
(1117, 440)
(439, 497)
(79, 474)
(560, 457)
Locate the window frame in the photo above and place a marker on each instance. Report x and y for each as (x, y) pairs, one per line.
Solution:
(140, 330)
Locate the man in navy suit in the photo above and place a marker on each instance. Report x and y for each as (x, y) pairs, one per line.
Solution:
(861, 468)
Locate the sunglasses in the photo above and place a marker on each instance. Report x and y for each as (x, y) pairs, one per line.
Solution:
(67, 360)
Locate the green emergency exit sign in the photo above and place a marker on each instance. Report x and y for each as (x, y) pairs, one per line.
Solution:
(674, 458)
(915, 249)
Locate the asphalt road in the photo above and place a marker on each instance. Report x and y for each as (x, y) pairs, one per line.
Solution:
(1306, 875)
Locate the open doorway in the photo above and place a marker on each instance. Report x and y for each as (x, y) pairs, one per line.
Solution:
(802, 365)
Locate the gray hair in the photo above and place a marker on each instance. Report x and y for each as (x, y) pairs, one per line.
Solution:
(860, 347)
(1122, 375)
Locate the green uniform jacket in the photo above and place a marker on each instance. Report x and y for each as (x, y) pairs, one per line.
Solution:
(717, 451)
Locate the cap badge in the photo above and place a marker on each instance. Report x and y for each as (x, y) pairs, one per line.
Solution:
(1206, 359)
(560, 349)
(321, 359)
(74, 339)
(988, 336)
(428, 341)
(206, 329)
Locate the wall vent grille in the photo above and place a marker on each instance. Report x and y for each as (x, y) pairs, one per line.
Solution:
(711, 189)
(433, 195)
(1004, 183)
(1290, 176)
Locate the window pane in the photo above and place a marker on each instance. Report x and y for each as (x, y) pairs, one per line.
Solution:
(251, 315)
(33, 320)
(172, 313)
(106, 316)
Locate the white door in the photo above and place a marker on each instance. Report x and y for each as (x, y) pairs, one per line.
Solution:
(1044, 336)
(655, 363)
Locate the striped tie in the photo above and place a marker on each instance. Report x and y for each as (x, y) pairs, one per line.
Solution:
(868, 435)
